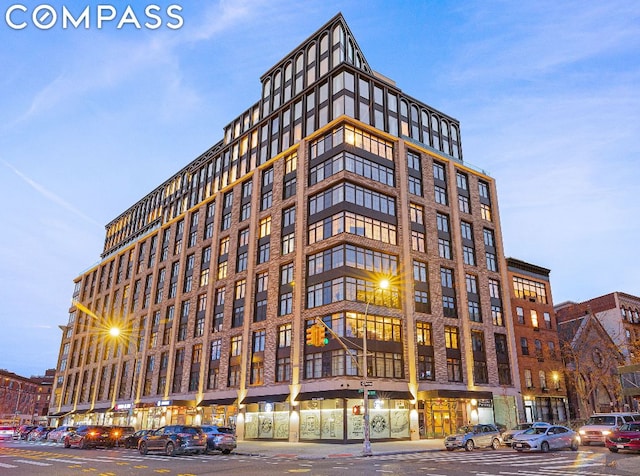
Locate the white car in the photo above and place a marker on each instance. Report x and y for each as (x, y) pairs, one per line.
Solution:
(508, 435)
(553, 437)
(6, 433)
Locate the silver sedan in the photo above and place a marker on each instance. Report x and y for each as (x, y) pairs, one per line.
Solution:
(544, 439)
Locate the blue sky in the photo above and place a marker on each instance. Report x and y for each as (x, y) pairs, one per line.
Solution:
(547, 93)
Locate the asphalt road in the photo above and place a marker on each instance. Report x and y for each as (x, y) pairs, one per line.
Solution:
(27, 459)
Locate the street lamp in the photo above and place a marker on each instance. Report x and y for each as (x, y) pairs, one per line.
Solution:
(366, 445)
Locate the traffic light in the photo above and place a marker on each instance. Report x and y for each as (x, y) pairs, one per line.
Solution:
(324, 334)
(311, 335)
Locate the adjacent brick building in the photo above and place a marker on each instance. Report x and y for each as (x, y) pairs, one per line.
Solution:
(333, 180)
(544, 391)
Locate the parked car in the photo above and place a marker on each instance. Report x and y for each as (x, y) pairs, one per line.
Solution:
(39, 433)
(220, 438)
(601, 425)
(22, 432)
(174, 439)
(131, 441)
(59, 433)
(119, 433)
(553, 437)
(89, 436)
(508, 435)
(6, 432)
(627, 437)
(477, 436)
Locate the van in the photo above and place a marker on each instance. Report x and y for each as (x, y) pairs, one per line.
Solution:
(599, 425)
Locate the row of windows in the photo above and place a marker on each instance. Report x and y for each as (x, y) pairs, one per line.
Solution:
(354, 164)
(348, 222)
(355, 194)
(533, 314)
(354, 257)
(350, 289)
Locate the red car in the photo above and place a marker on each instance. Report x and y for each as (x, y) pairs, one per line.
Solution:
(627, 437)
(89, 436)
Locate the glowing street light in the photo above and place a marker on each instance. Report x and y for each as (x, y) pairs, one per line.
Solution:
(366, 445)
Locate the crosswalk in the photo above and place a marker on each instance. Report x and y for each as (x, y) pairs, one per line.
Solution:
(585, 463)
(16, 457)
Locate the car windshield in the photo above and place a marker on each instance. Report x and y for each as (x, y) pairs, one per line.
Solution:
(465, 429)
(223, 429)
(630, 427)
(602, 420)
(535, 431)
(189, 429)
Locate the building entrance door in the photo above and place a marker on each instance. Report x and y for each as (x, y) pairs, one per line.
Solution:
(441, 423)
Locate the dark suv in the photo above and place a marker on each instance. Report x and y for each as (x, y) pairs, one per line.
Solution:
(89, 436)
(120, 433)
(174, 439)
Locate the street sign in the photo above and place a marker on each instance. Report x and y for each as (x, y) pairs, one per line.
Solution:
(366, 383)
(371, 393)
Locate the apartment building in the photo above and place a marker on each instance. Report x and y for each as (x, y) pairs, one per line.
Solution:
(542, 383)
(331, 182)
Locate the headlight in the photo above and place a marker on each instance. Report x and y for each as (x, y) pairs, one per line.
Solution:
(606, 432)
(582, 432)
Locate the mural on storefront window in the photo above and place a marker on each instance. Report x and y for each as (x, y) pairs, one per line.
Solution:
(310, 424)
(281, 425)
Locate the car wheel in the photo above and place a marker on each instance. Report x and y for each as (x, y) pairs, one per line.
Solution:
(495, 444)
(613, 450)
(226, 452)
(127, 445)
(143, 448)
(544, 447)
(575, 445)
(469, 445)
(83, 444)
(450, 449)
(519, 451)
(66, 443)
(170, 449)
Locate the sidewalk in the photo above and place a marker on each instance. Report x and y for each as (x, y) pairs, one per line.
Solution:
(285, 449)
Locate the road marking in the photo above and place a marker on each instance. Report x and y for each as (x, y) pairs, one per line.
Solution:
(4, 465)
(26, 461)
(70, 461)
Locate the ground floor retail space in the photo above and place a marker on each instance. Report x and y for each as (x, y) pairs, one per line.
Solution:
(332, 416)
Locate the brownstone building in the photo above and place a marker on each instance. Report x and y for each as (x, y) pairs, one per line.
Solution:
(618, 315)
(332, 181)
(19, 398)
(544, 391)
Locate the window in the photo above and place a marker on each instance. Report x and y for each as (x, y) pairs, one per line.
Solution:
(491, 261)
(543, 379)
(483, 189)
(474, 311)
(451, 337)
(236, 346)
(547, 320)
(266, 200)
(265, 227)
(240, 289)
(288, 216)
(462, 181)
(288, 243)
(534, 319)
(440, 195)
(444, 248)
(454, 370)
(463, 204)
(245, 211)
(477, 341)
(418, 241)
(286, 274)
(426, 367)
(496, 315)
(520, 315)
(465, 230)
(289, 188)
(284, 336)
(262, 281)
(416, 213)
(259, 338)
(286, 304)
(415, 186)
(242, 261)
(423, 333)
(243, 237)
(528, 379)
(472, 284)
(524, 346)
(438, 171)
(485, 211)
(264, 252)
(419, 272)
(469, 255)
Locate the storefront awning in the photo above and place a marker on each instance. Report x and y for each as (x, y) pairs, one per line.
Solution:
(101, 410)
(58, 414)
(218, 401)
(468, 394)
(277, 398)
(354, 393)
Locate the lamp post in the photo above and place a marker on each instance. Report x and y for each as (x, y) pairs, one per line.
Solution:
(366, 445)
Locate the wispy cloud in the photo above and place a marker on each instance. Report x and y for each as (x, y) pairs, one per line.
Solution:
(50, 196)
